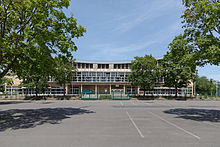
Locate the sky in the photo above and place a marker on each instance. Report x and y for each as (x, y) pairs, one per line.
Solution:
(119, 30)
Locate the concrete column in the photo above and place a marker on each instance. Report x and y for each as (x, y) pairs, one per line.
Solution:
(124, 89)
(66, 89)
(138, 90)
(110, 89)
(96, 89)
(81, 88)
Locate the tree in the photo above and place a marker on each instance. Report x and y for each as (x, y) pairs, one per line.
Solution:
(26, 25)
(202, 29)
(64, 71)
(35, 70)
(205, 86)
(177, 69)
(4, 81)
(144, 72)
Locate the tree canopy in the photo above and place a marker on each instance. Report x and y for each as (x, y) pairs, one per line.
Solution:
(64, 71)
(30, 26)
(205, 86)
(202, 29)
(177, 71)
(144, 72)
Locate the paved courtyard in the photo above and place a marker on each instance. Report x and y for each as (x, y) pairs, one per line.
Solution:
(110, 123)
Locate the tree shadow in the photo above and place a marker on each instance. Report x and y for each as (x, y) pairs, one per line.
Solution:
(196, 114)
(29, 118)
(13, 102)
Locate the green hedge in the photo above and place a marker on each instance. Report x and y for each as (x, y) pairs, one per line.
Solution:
(105, 97)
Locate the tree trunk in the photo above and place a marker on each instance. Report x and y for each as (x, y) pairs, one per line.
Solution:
(176, 91)
(144, 93)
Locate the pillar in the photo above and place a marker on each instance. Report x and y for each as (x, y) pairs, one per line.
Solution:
(66, 89)
(138, 90)
(110, 89)
(96, 89)
(124, 89)
(81, 88)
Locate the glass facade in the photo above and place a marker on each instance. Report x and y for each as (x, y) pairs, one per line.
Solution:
(101, 77)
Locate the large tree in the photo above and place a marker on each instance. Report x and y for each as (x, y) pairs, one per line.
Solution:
(36, 67)
(205, 86)
(178, 70)
(202, 29)
(144, 72)
(26, 25)
(64, 71)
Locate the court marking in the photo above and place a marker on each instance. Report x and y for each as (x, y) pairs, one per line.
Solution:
(174, 125)
(121, 103)
(139, 131)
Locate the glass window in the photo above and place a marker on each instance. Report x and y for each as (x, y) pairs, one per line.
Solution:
(91, 65)
(99, 65)
(87, 65)
(107, 66)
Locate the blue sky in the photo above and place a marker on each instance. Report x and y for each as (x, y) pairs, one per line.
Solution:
(122, 29)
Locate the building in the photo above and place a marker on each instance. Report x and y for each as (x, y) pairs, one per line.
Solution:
(103, 78)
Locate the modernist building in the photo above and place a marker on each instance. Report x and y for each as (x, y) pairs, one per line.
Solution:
(103, 78)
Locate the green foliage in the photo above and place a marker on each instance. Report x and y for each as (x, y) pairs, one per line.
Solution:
(205, 86)
(35, 26)
(144, 72)
(64, 70)
(35, 69)
(105, 97)
(202, 29)
(177, 71)
(4, 80)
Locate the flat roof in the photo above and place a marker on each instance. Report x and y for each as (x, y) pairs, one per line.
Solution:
(109, 62)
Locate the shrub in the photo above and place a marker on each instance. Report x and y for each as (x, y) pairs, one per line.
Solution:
(105, 97)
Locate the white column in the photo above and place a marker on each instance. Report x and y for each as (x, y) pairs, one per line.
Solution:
(110, 88)
(66, 89)
(138, 90)
(124, 89)
(96, 89)
(81, 88)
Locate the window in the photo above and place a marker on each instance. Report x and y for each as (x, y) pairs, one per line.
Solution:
(99, 65)
(91, 65)
(83, 65)
(87, 65)
(79, 65)
(107, 66)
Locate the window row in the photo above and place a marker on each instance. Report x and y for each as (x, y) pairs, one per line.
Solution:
(122, 66)
(102, 74)
(84, 65)
(100, 79)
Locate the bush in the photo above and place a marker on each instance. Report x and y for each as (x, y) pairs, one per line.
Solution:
(105, 97)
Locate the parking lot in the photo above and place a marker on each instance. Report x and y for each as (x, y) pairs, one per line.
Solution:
(155, 123)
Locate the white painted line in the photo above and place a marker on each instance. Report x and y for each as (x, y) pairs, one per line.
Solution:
(142, 136)
(122, 104)
(172, 124)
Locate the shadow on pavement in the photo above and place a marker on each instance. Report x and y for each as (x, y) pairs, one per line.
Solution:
(30, 118)
(13, 102)
(196, 114)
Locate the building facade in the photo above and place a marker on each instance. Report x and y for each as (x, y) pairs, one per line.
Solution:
(100, 77)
